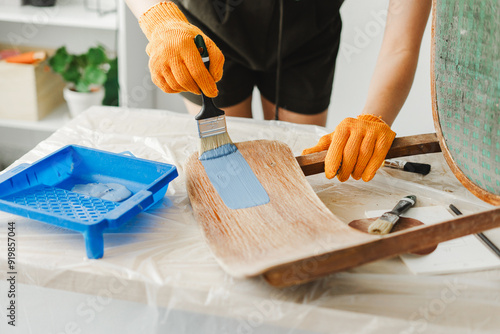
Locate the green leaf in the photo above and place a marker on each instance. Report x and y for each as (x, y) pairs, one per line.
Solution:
(72, 73)
(60, 60)
(94, 75)
(83, 70)
(111, 96)
(82, 86)
(81, 61)
(97, 56)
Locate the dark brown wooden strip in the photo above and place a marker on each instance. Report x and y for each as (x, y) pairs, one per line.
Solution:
(401, 147)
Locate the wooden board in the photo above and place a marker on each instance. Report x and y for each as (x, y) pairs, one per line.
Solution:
(314, 163)
(387, 246)
(465, 91)
(295, 224)
(294, 238)
(403, 223)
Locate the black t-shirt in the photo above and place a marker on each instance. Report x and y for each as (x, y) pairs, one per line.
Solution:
(247, 30)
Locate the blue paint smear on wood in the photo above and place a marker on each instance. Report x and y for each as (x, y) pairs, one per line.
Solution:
(233, 178)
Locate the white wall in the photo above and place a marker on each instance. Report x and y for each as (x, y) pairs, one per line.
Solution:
(355, 64)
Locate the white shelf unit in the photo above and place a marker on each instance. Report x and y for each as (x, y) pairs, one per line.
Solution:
(49, 123)
(70, 23)
(69, 13)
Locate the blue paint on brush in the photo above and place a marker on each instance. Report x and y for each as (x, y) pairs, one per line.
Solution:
(233, 178)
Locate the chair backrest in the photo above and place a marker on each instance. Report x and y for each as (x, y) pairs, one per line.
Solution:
(466, 91)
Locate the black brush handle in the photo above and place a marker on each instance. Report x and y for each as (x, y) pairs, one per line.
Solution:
(404, 204)
(202, 49)
(208, 110)
(415, 167)
(412, 167)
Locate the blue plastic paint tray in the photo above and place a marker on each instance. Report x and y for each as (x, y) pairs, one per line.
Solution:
(42, 190)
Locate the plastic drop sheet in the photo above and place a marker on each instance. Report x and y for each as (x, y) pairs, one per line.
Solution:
(158, 275)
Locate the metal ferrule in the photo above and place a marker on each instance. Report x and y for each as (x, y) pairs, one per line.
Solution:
(212, 126)
(407, 199)
(398, 164)
(389, 217)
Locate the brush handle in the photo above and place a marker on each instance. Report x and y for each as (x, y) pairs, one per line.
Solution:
(404, 204)
(415, 167)
(412, 167)
(209, 110)
(202, 48)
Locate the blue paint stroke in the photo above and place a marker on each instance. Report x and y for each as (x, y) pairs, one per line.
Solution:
(233, 178)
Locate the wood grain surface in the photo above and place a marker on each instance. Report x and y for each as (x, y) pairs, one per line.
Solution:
(384, 247)
(314, 163)
(403, 223)
(294, 225)
(294, 238)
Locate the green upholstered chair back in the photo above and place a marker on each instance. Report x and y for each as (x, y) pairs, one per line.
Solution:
(466, 91)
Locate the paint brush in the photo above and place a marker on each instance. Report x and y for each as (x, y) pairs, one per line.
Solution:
(481, 236)
(386, 222)
(211, 120)
(412, 167)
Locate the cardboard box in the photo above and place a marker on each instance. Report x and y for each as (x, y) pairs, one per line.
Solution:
(29, 92)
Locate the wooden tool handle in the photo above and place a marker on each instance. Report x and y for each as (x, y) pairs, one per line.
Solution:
(314, 163)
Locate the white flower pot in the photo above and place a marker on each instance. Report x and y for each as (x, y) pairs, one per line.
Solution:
(78, 102)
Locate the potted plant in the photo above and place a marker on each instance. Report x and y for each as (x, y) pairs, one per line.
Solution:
(85, 74)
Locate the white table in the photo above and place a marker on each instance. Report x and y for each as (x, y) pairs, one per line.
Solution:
(157, 274)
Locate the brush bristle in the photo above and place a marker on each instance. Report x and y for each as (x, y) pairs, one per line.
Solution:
(213, 142)
(380, 227)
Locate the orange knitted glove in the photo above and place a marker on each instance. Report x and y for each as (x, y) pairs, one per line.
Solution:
(174, 61)
(357, 147)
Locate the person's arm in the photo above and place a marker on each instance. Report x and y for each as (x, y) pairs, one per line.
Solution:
(174, 60)
(398, 57)
(358, 146)
(139, 7)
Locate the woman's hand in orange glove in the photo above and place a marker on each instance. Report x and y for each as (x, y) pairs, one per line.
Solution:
(357, 147)
(175, 62)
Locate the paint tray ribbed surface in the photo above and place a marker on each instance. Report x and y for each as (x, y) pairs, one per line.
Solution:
(44, 190)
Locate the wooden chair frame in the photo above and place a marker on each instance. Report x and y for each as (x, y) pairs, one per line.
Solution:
(387, 246)
(401, 242)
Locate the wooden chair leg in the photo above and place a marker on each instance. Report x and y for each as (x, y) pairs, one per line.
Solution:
(401, 147)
